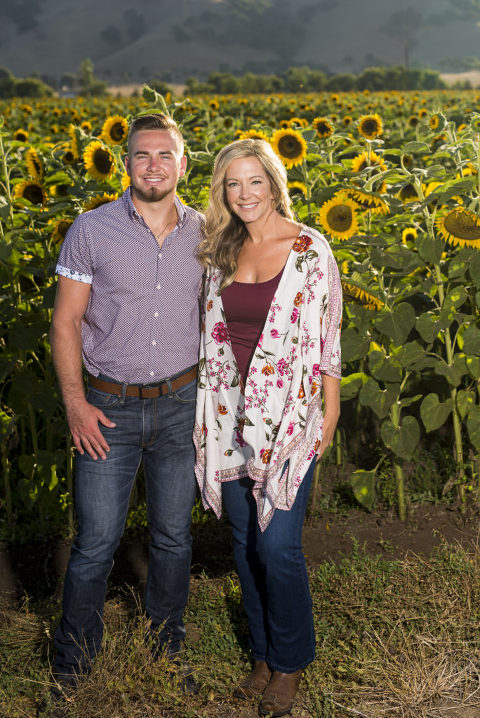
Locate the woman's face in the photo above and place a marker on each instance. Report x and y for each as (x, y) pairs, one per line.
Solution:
(248, 189)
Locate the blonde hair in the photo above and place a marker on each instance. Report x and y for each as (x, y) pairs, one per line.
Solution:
(225, 232)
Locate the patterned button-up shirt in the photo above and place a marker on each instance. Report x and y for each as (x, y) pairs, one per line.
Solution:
(141, 324)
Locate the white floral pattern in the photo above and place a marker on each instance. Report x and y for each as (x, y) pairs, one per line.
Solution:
(277, 416)
(72, 274)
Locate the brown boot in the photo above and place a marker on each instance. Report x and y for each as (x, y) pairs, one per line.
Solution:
(279, 695)
(255, 683)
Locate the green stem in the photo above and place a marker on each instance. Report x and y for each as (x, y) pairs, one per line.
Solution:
(398, 466)
(7, 487)
(3, 159)
(33, 429)
(316, 480)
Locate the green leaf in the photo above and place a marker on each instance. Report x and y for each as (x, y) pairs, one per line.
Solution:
(402, 440)
(409, 400)
(379, 400)
(354, 345)
(453, 372)
(471, 340)
(474, 270)
(350, 385)
(431, 250)
(415, 147)
(473, 426)
(384, 368)
(363, 486)
(412, 356)
(433, 413)
(465, 401)
(473, 365)
(397, 324)
(428, 326)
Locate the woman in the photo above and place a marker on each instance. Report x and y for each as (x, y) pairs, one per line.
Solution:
(270, 349)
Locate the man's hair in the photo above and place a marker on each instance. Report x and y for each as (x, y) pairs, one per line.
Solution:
(155, 121)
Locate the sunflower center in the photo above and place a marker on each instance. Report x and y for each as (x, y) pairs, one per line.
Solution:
(462, 226)
(289, 147)
(103, 161)
(370, 127)
(33, 193)
(340, 218)
(117, 132)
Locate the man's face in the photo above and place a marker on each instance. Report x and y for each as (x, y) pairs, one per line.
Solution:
(155, 162)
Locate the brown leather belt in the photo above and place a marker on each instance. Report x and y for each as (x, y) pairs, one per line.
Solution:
(144, 392)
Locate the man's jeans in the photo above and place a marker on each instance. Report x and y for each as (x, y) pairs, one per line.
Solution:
(159, 432)
(273, 576)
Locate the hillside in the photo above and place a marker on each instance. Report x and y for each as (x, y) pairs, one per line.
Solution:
(176, 38)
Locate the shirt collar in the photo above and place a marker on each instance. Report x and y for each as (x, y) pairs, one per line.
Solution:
(179, 206)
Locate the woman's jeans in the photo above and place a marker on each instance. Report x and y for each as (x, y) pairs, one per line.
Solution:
(273, 576)
(159, 432)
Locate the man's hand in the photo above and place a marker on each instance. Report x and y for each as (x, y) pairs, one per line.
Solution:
(83, 420)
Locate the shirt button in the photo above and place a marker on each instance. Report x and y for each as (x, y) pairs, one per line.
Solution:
(154, 343)
(156, 314)
(159, 286)
(152, 373)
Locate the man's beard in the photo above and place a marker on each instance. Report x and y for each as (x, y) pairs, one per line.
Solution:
(154, 194)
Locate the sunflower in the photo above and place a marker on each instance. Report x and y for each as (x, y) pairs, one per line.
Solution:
(434, 121)
(475, 123)
(413, 121)
(125, 181)
(284, 124)
(73, 141)
(338, 217)
(253, 134)
(99, 160)
(370, 126)
(20, 135)
(214, 104)
(31, 190)
(409, 234)
(298, 186)
(364, 160)
(460, 226)
(423, 113)
(60, 229)
(299, 121)
(34, 164)
(86, 126)
(99, 199)
(347, 120)
(366, 200)
(352, 292)
(68, 157)
(114, 130)
(323, 127)
(408, 193)
(289, 146)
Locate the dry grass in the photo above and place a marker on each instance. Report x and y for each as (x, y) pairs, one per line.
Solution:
(396, 639)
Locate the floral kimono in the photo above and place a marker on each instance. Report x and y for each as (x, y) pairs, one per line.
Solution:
(276, 417)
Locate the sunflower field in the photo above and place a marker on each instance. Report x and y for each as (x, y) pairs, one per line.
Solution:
(392, 179)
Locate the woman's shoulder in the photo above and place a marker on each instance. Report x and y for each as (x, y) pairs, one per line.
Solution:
(319, 242)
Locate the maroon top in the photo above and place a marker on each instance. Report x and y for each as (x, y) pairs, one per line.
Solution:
(246, 308)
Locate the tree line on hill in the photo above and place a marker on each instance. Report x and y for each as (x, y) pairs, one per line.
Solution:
(295, 79)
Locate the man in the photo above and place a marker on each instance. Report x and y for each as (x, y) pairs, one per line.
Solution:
(127, 302)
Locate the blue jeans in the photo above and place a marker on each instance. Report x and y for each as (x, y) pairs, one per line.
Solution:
(273, 577)
(159, 432)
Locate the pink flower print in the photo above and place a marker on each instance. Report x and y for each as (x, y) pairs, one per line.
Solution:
(260, 340)
(322, 343)
(316, 369)
(281, 366)
(291, 426)
(220, 333)
(294, 316)
(275, 333)
(279, 383)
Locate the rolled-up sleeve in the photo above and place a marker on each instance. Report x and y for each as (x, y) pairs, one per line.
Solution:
(331, 323)
(75, 260)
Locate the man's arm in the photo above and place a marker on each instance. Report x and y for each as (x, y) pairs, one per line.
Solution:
(66, 339)
(331, 400)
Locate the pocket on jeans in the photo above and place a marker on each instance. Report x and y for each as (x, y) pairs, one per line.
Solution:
(186, 394)
(101, 399)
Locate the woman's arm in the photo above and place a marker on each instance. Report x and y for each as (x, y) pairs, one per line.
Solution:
(331, 400)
